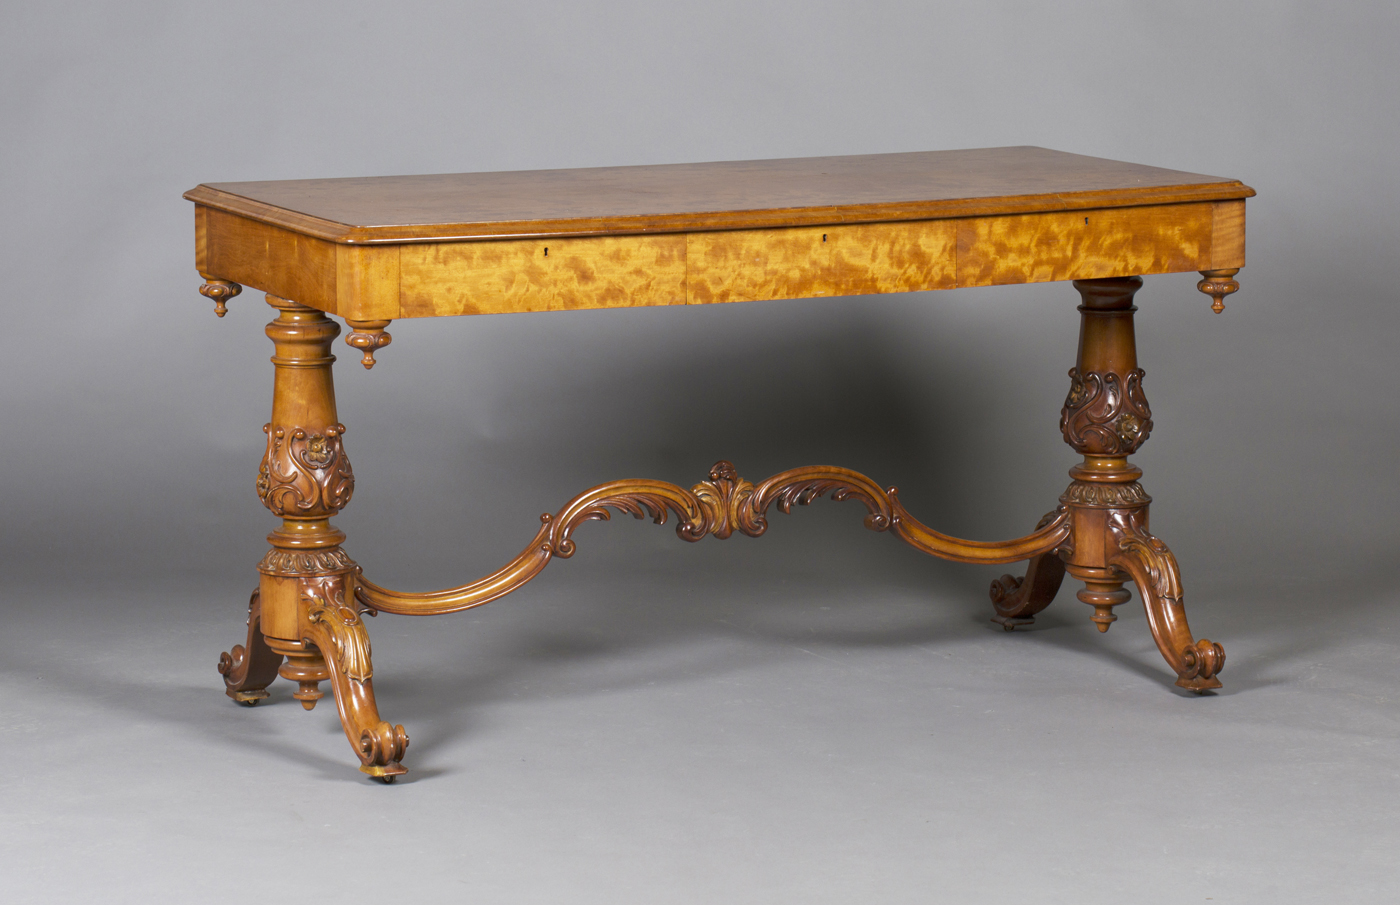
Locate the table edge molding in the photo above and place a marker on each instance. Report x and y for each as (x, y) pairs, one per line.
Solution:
(709, 221)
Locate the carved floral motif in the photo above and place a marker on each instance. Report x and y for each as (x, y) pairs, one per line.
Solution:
(304, 473)
(723, 498)
(720, 506)
(1105, 414)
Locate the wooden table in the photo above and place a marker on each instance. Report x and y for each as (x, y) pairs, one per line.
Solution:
(372, 250)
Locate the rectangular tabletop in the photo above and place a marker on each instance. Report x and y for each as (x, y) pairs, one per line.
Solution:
(413, 246)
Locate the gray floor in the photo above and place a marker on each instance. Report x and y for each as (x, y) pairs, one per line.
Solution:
(797, 727)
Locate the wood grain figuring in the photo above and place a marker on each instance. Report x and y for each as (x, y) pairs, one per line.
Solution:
(751, 265)
(1080, 245)
(1227, 236)
(496, 277)
(272, 259)
(367, 282)
(694, 197)
(201, 239)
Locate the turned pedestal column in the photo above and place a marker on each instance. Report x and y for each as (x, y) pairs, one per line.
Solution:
(304, 623)
(1105, 419)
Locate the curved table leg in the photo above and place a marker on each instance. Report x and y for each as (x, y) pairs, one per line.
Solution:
(248, 670)
(1017, 599)
(336, 630)
(1153, 569)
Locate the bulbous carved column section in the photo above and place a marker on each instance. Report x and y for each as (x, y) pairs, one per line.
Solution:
(1105, 414)
(305, 474)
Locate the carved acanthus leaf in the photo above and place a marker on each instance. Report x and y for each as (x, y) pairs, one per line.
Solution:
(325, 598)
(305, 473)
(1105, 496)
(1105, 414)
(720, 506)
(725, 497)
(1127, 529)
(306, 562)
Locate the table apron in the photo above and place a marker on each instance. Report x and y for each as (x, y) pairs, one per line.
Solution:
(435, 279)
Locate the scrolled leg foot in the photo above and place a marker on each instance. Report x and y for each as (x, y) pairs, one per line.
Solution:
(381, 749)
(1202, 662)
(249, 669)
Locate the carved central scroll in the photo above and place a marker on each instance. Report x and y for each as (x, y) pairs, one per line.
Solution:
(721, 505)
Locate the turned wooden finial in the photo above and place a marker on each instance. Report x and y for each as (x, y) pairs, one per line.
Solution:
(220, 291)
(1218, 284)
(1103, 596)
(368, 336)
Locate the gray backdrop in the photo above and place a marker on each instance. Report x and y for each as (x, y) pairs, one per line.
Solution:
(132, 438)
